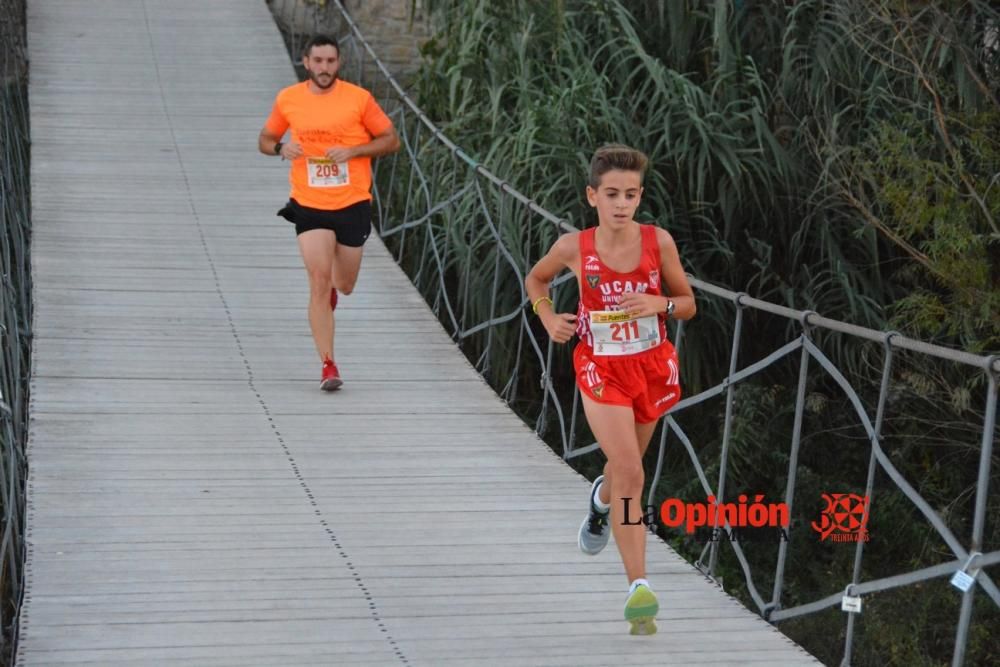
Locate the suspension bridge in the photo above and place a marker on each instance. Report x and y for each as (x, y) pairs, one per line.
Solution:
(193, 498)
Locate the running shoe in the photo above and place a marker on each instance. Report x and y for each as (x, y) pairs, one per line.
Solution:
(640, 611)
(595, 529)
(333, 298)
(331, 377)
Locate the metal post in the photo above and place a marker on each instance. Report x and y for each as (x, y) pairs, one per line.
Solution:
(493, 308)
(979, 518)
(664, 430)
(572, 423)
(793, 463)
(359, 68)
(547, 382)
(883, 395)
(512, 394)
(392, 179)
(679, 337)
(467, 264)
(13, 510)
(713, 557)
(409, 190)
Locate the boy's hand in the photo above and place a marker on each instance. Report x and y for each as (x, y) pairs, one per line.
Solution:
(560, 326)
(637, 304)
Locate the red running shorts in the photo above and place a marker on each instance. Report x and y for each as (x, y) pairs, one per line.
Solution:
(647, 382)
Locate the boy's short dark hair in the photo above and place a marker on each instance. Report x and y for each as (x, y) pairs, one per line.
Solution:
(615, 156)
(320, 40)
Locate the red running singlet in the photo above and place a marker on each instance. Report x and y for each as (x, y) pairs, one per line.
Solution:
(647, 381)
(602, 289)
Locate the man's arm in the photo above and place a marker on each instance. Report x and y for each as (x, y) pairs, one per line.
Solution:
(383, 144)
(266, 142)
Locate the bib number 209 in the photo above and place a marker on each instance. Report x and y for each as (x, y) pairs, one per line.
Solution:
(328, 170)
(324, 173)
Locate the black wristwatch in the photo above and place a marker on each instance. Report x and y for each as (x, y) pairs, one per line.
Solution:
(670, 308)
(277, 148)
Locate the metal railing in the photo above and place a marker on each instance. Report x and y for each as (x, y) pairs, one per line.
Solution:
(15, 312)
(432, 180)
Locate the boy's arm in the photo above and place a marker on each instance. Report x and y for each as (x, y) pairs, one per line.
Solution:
(674, 279)
(675, 286)
(560, 326)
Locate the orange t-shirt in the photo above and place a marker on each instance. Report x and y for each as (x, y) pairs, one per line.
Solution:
(348, 115)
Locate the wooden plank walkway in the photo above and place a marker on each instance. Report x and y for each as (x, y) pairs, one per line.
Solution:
(193, 497)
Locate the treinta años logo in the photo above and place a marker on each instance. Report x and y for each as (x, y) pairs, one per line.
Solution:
(845, 518)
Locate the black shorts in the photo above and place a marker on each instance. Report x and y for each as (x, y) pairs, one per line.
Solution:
(352, 224)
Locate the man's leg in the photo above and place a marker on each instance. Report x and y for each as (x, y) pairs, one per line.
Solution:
(614, 428)
(346, 266)
(318, 247)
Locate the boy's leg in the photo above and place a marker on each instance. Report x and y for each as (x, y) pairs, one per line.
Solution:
(614, 428)
(643, 435)
(662, 377)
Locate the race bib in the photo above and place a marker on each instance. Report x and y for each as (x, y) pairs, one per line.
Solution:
(616, 333)
(325, 173)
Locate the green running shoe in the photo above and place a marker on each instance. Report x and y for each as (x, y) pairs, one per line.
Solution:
(640, 611)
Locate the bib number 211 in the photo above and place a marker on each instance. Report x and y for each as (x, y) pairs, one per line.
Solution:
(625, 331)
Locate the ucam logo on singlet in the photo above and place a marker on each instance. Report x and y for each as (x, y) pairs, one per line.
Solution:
(619, 287)
(611, 292)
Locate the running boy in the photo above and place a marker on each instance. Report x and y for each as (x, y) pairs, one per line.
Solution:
(631, 281)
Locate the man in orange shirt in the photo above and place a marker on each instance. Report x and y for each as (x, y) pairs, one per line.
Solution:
(336, 129)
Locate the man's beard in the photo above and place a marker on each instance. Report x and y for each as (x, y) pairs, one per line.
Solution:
(315, 79)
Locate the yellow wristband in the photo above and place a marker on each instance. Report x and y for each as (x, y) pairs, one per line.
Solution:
(534, 306)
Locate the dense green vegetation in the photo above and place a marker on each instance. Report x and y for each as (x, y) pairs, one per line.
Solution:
(841, 157)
